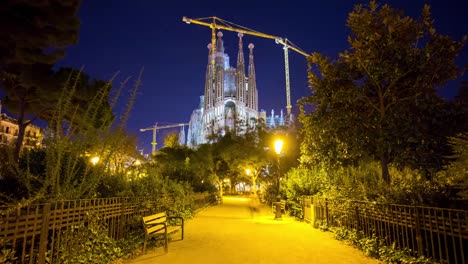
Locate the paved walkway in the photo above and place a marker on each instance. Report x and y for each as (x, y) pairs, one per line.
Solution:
(229, 233)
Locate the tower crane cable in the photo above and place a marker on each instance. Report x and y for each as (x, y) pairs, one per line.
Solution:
(226, 25)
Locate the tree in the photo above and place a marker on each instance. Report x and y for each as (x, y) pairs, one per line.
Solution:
(209, 163)
(378, 98)
(36, 31)
(35, 94)
(457, 174)
(171, 140)
(461, 106)
(34, 35)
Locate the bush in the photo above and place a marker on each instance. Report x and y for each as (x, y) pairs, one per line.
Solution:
(88, 243)
(375, 247)
(303, 181)
(363, 183)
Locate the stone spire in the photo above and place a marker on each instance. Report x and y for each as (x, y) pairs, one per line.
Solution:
(219, 49)
(219, 43)
(209, 81)
(252, 93)
(219, 71)
(240, 80)
(281, 120)
(182, 136)
(240, 54)
(272, 118)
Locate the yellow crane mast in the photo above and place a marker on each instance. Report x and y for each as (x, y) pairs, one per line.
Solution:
(218, 23)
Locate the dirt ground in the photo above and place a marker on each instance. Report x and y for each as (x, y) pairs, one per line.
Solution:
(232, 233)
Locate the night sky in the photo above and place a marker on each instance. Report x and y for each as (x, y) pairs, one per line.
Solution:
(123, 35)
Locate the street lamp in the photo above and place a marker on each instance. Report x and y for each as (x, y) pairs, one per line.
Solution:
(94, 160)
(278, 147)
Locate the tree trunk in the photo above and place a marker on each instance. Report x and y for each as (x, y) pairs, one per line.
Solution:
(385, 172)
(21, 128)
(254, 185)
(220, 184)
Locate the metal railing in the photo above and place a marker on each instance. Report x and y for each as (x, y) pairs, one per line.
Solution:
(437, 233)
(34, 233)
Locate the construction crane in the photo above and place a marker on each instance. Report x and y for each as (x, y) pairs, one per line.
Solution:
(156, 128)
(226, 25)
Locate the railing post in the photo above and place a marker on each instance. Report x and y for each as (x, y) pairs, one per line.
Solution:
(357, 218)
(326, 210)
(418, 232)
(44, 234)
(122, 221)
(303, 205)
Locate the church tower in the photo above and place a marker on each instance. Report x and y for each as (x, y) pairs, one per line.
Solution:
(231, 98)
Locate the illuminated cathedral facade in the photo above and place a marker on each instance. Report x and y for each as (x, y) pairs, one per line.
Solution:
(230, 101)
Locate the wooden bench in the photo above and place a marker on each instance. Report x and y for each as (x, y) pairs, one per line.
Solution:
(160, 225)
(282, 204)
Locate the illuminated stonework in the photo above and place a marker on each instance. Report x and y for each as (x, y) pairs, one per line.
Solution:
(230, 102)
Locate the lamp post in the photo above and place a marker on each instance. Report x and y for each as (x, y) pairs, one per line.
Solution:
(278, 148)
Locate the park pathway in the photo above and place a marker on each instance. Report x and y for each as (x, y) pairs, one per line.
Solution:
(230, 233)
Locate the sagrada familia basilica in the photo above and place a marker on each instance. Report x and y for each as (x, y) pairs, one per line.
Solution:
(230, 101)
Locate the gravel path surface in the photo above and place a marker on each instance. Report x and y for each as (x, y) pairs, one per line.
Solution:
(231, 233)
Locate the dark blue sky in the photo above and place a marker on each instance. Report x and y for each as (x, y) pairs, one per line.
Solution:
(124, 35)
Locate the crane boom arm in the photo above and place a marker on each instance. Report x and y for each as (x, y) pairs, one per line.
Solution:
(162, 127)
(226, 25)
(213, 25)
(156, 128)
(218, 26)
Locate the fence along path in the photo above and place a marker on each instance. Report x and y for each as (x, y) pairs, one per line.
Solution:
(35, 232)
(438, 233)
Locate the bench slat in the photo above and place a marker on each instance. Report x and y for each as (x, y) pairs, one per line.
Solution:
(155, 229)
(170, 229)
(155, 216)
(156, 221)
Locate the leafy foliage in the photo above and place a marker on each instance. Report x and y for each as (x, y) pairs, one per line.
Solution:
(455, 174)
(62, 170)
(375, 247)
(365, 102)
(304, 181)
(7, 255)
(37, 31)
(34, 36)
(88, 242)
(171, 140)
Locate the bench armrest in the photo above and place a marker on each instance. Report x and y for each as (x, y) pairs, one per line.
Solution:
(179, 220)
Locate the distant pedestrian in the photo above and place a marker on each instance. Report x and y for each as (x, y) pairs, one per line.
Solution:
(254, 204)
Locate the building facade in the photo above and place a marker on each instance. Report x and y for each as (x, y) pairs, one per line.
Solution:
(230, 101)
(9, 133)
